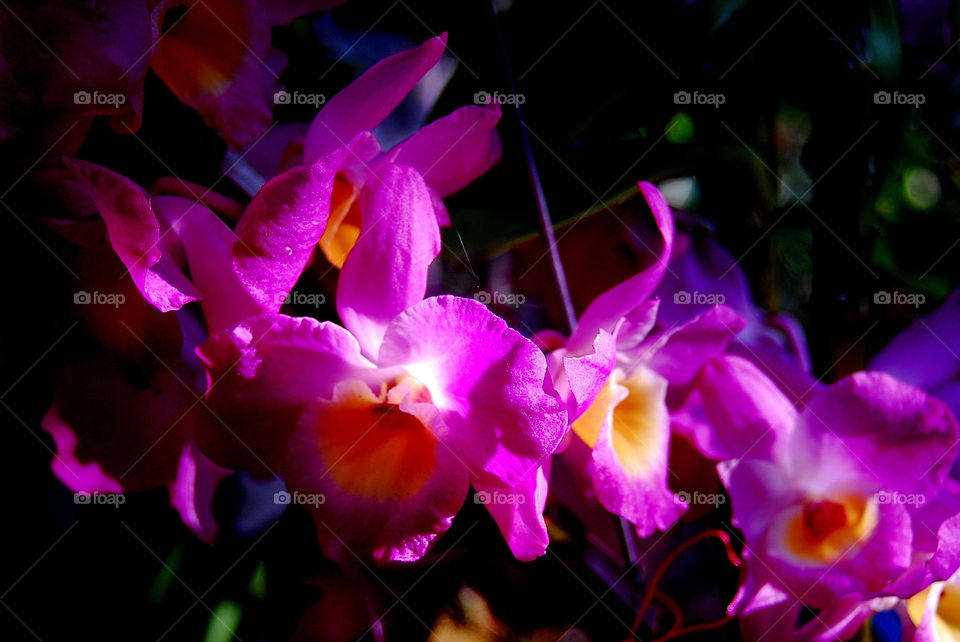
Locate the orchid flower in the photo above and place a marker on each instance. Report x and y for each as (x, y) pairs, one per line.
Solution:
(390, 417)
(935, 612)
(616, 388)
(449, 153)
(215, 56)
(843, 503)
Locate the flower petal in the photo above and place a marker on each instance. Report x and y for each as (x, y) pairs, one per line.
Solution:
(923, 355)
(453, 151)
(208, 243)
(388, 486)
(607, 309)
(896, 435)
(280, 229)
(631, 450)
(489, 382)
(262, 373)
(520, 518)
(135, 236)
(112, 436)
(191, 494)
(750, 415)
(386, 271)
(365, 102)
(678, 354)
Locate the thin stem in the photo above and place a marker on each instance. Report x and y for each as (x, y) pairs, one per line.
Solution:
(671, 558)
(545, 220)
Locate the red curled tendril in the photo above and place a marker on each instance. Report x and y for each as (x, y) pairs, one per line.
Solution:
(676, 630)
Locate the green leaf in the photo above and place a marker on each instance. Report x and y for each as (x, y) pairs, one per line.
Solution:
(223, 622)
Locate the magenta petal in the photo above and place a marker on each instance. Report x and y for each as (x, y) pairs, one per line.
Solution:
(518, 512)
(135, 236)
(750, 415)
(193, 490)
(453, 151)
(262, 373)
(678, 353)
(208, 243)
(582, 377)
(365, 102)
(386, 271)
(923, 354)
(489, 382)
(111, 435)
(607, 309)
(393, 528)
(644, 499)
(279, 231)
(898, 436)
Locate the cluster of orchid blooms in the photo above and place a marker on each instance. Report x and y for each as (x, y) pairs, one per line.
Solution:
(843, 493)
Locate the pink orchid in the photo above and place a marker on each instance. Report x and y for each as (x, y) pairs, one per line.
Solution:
(449, 153)
(84, 61)
(841, 503)
(617, 387)
(392, 416)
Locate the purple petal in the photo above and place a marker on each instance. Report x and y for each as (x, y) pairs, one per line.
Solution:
(386, 271)
(925, 354)
(678, 353)
(489, 382)
(607, 309)
(279, 231)
(748, 412)
(135, 236)
(208, 243)
(894, 434)
(389, 486)
(520, 515)
(191, 494)
(453, 151)
(262, 373)
(365, 102)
